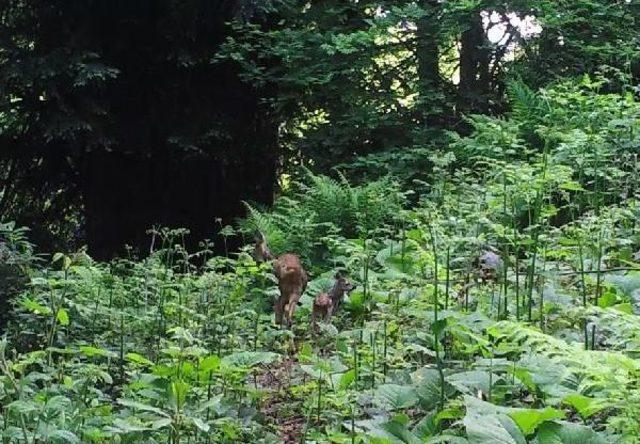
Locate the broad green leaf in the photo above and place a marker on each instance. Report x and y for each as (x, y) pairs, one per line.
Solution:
(529, 419)
(488, 423)
(35, 306)
(210, 363)
(22, 406)
(568, 433)
(178, 391)
(248, 359)
(161, 423)
(64, 436)
(144, 407)
(608, 299)
(90, 351)
(394, 397)
(58, 403)
(428, 387)
(470, 382)
(400, 432)
(584, 405)
(199, 423)
(128, 426)
(346, 379)
(625, 307)
(138, 359)
(62, 317)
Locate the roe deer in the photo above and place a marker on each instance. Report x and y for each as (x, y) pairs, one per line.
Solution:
(261, 252)
(292, 279)
(322, 309)
(339, 289)
(292, 282)
(325, 304)
(488, 266)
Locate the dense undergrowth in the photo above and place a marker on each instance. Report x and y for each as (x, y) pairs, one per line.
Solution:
(548, 351)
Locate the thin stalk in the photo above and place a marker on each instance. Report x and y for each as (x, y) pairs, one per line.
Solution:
(436, 341)
(544, 265)
(447, 279)
(373, 359)
(583, 285)
(599, 269)
(384, 352)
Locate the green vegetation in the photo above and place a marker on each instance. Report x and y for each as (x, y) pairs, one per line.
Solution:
(181, 347)
(470, 165)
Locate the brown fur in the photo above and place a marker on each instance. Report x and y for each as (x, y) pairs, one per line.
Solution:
(325, 304)
(322, 309)
(261, 252)
(340, 287)
(292, 282)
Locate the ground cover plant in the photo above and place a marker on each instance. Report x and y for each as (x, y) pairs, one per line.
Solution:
(497, 301)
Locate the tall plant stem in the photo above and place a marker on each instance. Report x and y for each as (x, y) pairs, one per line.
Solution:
(436, 339)
(583, 285)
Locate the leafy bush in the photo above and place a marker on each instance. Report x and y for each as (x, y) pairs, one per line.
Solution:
(323, 205)
(16, 257)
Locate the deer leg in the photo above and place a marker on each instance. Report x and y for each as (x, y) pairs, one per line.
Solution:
(291, 308)
(314, 317)
(278, 309)
(327, 314)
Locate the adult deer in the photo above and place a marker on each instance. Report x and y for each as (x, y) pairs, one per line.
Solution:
(292, 279)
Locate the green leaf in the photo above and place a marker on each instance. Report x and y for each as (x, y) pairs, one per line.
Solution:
(529, 419)
(178, 391)
(488, 423)
(144, 407)
(472, 381)
(91, 351)
(161, 423)
(128, 427)
(138, 359)
(248, 359)
(428, 387)
(346, 379)
(65, 436)
(22, 407)
(56, 257)
(625, 307)
(62, 317)
(608, 299)
(568, 433)
(571, 186)
(584, 405)
(399, 431)
(210, 363)
(199, 423)
(35, 307)
(396, 397)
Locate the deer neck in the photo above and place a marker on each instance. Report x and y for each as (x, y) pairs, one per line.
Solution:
(336, 293)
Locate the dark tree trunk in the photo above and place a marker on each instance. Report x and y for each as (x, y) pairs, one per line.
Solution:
(475, 55)
(428, 55)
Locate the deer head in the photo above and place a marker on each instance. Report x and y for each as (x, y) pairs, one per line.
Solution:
(340, 288)
(261, 252)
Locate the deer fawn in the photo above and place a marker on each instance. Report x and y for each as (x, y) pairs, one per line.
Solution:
(325, 304)
(292, 279)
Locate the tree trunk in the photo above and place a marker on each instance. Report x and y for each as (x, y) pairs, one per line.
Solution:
(475, 56)
(428, 56)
